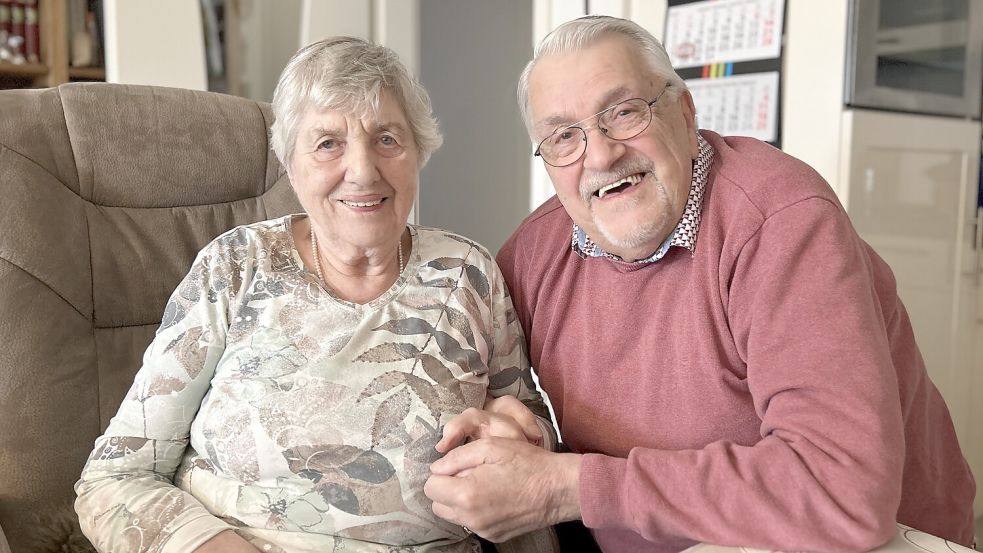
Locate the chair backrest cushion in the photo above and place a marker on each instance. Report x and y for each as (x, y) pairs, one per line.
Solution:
(107, 192)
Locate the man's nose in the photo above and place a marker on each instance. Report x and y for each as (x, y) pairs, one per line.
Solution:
(602, 151)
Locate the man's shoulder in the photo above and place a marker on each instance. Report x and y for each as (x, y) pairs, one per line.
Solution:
(540, 237)
(549, 219)
(766, 177)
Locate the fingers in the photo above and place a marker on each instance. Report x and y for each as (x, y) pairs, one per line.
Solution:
(475, 424)
(441, 490)
(512, 407)
(465, 457)
(458, 429)
(451, 499)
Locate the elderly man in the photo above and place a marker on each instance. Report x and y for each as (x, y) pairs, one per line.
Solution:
(728, 360)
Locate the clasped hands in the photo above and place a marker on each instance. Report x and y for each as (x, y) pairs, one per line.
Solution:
(502, 483)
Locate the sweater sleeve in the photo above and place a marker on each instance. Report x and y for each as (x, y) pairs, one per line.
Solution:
(826, 473)
(127, 501)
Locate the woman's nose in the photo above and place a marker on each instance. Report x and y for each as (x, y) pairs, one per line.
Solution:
(360, 161)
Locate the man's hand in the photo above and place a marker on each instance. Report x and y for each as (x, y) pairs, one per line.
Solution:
(503, 417)
(501, 488)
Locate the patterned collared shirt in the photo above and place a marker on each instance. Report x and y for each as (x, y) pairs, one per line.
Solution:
(684, 235)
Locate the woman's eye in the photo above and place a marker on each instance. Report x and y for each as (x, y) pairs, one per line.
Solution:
(388, 146)
(329, 144)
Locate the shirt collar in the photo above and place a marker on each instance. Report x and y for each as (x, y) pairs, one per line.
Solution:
(684, 235)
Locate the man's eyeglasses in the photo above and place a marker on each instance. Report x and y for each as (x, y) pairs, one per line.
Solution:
(624, 120)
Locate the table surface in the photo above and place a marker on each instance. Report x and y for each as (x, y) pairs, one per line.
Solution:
(907, 540)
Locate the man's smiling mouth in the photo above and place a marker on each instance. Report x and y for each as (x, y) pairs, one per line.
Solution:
(619, 186)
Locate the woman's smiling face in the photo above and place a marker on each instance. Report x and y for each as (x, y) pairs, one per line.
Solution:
(356, 174)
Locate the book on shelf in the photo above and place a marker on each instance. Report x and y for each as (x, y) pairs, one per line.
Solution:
(5, 16)
(85, 33)
(20, 34)
(32, 32)
(16, 40)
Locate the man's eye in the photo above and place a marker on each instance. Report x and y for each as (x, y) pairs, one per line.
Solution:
(629, 112)
(564, 136)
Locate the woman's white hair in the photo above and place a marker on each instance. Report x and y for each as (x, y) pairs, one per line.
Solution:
(585, 31)
(349, 74)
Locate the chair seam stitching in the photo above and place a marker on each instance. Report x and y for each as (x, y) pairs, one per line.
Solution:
(46, 285)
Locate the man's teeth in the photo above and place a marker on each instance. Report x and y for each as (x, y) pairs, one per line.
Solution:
(361, 204)
(631, 180)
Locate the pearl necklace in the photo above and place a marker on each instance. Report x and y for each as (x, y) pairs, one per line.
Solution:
(317, 256)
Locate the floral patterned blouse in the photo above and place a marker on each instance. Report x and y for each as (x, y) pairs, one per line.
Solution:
(268, 405)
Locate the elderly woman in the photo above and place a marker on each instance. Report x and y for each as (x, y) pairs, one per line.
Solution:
(301, 376)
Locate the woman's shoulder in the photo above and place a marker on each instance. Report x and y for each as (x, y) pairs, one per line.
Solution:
(261, 235)
(438, 243)
(260, 231)
(268, 244)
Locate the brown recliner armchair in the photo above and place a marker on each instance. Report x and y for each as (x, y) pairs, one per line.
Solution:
(107, 192)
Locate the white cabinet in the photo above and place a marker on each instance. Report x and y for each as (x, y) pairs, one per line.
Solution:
(910, 187)
(909, 183)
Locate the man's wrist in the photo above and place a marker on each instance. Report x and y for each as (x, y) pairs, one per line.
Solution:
(566, 488)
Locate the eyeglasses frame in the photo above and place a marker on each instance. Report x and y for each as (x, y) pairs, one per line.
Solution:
(598, 126)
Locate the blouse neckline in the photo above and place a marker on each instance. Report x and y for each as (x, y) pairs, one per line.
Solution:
(308, 273)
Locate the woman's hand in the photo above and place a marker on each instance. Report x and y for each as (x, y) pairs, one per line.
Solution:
(226, 542)
(512, 407)
(504, 417)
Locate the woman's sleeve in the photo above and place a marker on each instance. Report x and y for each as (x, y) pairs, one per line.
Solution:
(508, 367)
(127, 501)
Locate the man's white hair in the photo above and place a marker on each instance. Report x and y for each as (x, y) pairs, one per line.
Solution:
(585, 31)
(348, 74)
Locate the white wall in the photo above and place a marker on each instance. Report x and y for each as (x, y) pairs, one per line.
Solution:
(323, 18)
(812, 87)
(155, 43)
(392, 23)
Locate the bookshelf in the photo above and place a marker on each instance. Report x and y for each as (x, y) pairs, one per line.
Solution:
(54, 67)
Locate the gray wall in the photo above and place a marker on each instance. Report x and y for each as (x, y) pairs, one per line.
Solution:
(471, 54)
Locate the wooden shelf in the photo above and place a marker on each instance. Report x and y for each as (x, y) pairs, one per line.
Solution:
(89, 73)
(53, 24)
(23, 70)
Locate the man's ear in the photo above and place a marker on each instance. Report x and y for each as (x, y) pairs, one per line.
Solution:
(689, 114)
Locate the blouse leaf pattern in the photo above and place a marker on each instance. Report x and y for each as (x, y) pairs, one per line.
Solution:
(389, 417)
(303, 422)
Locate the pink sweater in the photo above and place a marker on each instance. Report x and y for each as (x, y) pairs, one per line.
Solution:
(765, 391)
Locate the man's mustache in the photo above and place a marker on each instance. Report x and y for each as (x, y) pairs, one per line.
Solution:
(593, 181)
